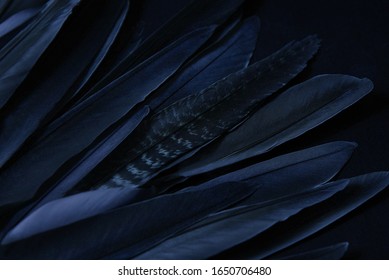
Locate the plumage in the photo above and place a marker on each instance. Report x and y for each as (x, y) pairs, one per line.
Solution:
(16, 20)
(228, 228)
(273, 180)
(198, 119)
(359, 190)
(229, 53)
(91, 118)
(131, 234)
(47, 94)
(198, 14)
(291, 173)
(75, 175)
(290, 114)
(31, 42)
(121, 138)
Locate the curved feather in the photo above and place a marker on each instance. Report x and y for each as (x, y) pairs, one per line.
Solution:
(22, 52)
(223, 230)
(133, 228)
(92, 118)
(289, 115)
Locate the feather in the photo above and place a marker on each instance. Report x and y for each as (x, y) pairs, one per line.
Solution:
(22, 52)
(200, 118)
(289, 115)
(92, 118)
(197, 14)
(225, 229)
(133, 228)
(359, 190)
(333, 252)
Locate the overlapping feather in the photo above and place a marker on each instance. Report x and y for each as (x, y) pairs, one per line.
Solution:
(140, 151)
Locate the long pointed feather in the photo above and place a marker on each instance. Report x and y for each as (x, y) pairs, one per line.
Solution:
(133, 228)
(20, 55)
(233, 226)
(313, 219)
(289, 115)
(92, 118)
(200, 118)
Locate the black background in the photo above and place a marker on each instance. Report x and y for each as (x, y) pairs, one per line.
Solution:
(355, 41)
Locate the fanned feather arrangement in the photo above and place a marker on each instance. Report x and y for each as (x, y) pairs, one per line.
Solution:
(116, 144)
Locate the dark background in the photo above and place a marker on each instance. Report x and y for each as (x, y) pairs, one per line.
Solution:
(355, 41)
